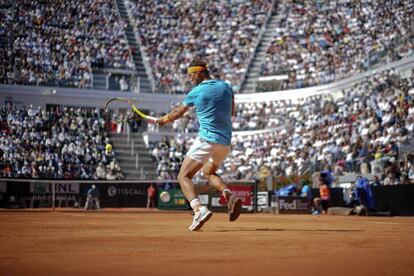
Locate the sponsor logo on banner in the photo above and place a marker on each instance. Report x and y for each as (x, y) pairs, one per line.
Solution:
(263, 199)
(165, 197)
(3, 187)
(57, 198)
(293, 204)
(172, 199)
(45, 200)
(243, 192)
(116, 191)
(60, 188)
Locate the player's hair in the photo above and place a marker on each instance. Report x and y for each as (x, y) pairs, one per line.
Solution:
(198, 62)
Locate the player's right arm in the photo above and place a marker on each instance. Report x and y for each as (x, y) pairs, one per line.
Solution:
(176, 113)
(179, 111)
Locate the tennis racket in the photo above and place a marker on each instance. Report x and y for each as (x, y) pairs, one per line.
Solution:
(133, 112)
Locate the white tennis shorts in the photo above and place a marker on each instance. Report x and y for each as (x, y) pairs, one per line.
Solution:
(203, 151)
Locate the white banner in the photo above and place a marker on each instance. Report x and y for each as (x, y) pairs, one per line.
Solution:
(263, 199)
(215, 202)
(60, 188)
(203, 199)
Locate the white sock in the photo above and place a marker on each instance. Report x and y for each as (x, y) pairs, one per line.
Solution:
(195, 203)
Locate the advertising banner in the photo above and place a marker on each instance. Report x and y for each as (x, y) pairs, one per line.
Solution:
(60, 188)
(263, 200)
(244, 192)
(3, 191)
(123, 194)
(37, 194)
(172, 199)
(293, 205)
(66, 194)
(18, 195)
(3, 187)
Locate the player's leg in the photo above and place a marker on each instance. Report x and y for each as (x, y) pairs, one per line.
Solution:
(196, 157)
(316, 203)
(201, 214)
(87, 203)
(218, 154)
(98, 204)
(188, 169)
(324, 206)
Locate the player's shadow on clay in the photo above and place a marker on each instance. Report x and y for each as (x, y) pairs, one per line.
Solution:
(286, 229)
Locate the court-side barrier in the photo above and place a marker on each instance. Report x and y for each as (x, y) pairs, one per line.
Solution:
(34, 193)
(397, 199)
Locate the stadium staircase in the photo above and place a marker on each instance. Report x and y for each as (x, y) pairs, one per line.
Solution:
(133, 167)
(253, 72)
(99, 81)
(145, 85)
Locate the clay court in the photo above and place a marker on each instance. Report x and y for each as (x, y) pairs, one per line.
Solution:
(138, 242)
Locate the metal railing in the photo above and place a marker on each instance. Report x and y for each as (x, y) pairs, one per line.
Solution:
(136, 154)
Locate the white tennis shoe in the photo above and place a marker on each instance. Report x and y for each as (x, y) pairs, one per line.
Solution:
(200, 217)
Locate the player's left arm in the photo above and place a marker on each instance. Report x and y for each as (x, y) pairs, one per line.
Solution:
(176, 113)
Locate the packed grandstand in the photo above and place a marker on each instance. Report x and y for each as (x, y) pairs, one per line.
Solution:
(372, 123)
(367, 125)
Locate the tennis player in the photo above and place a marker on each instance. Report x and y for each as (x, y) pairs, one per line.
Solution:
(214, 104)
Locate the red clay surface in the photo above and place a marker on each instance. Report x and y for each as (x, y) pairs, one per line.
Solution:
(137, 242)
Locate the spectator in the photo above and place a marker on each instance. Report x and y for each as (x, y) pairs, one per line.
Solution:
(51, 144)
(60, 48)
(123, 84)
(322, 202)
(171, 39)
(376, 182)
(151, 195)
(317, 133)
(318, 42)
(306, 191)
(363, 194)
(100, 171)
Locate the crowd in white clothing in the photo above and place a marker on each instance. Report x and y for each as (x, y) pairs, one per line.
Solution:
(369, 127)
(59, 44)
(172, 33)
(317, 42)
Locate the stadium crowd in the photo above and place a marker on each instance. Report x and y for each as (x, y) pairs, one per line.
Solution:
(173, 33)
(317, 42)
(60, 44)
(55, 144)
(368, 129)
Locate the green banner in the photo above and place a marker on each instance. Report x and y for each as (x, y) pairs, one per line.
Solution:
(172, 199)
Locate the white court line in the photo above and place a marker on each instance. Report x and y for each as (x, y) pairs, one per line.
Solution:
(381, 222)
(72, 214)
